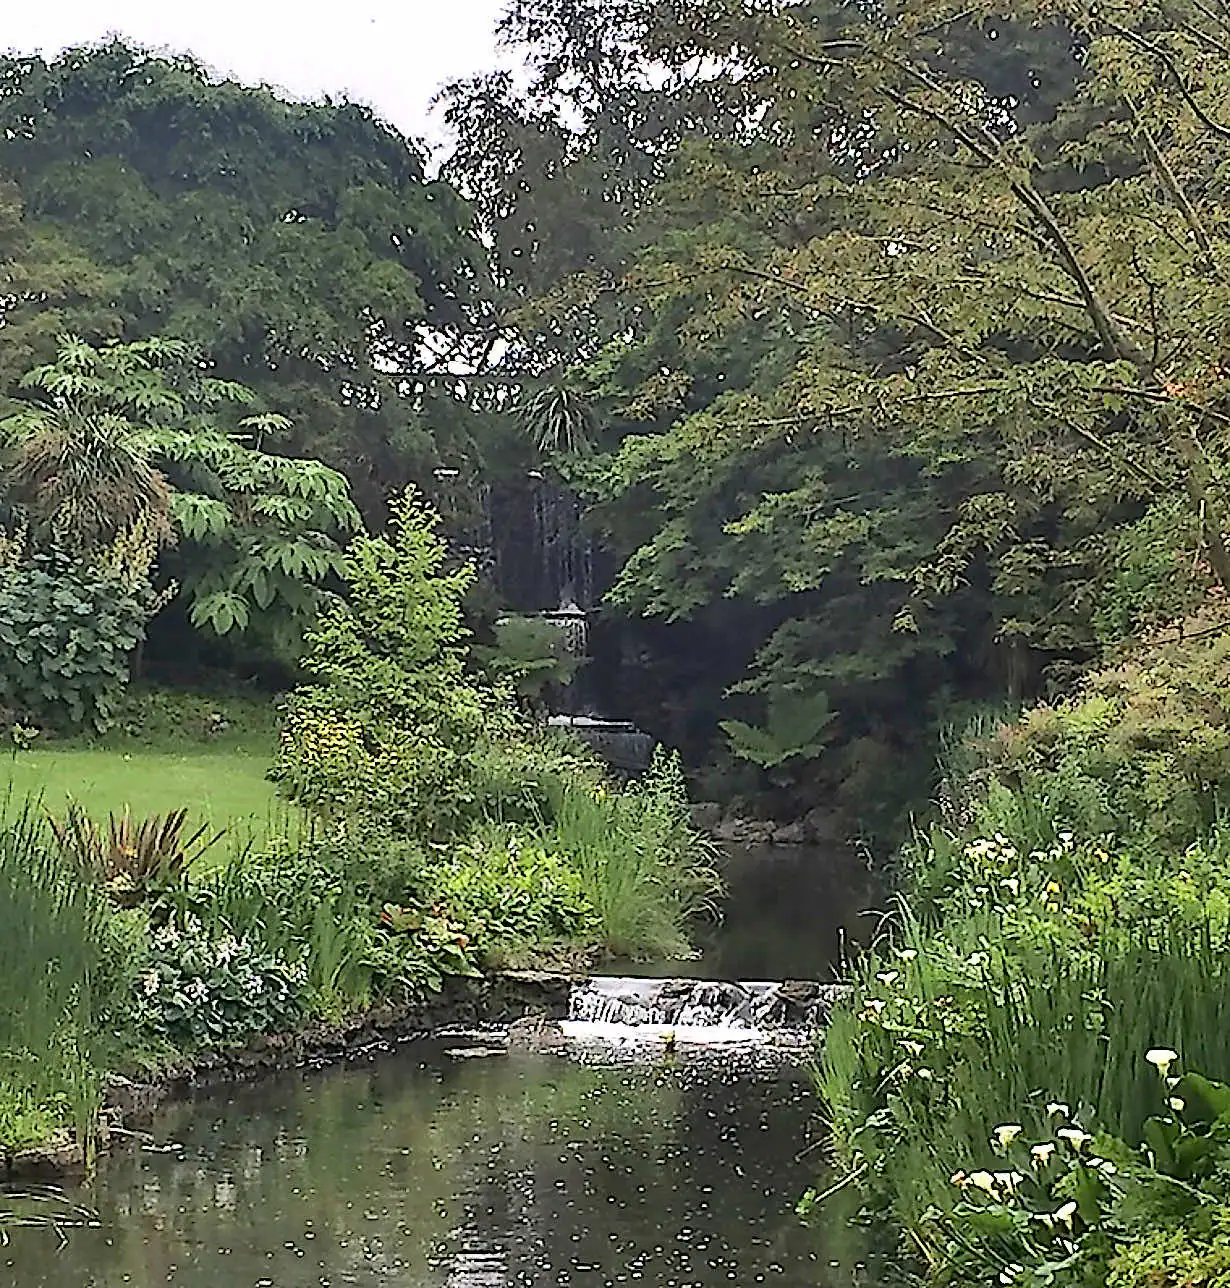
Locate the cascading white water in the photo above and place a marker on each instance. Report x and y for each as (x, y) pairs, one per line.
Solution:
(706, 1012)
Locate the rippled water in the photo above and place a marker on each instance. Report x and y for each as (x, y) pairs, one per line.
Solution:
(412, 1169)
(417, 1170)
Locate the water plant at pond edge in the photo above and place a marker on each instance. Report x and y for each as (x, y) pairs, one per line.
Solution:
(1067, 1205)
(646, 871)
(990, 1065)
(52, 932)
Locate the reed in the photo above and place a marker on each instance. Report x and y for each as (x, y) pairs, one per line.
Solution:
(1036, 1026)
(51, 932)
(645, 871)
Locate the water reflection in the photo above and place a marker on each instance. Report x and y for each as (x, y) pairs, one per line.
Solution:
(792, 912)
(416, 1171)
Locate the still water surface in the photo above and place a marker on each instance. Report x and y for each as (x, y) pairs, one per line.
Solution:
(416, 1170)
(411, 1169)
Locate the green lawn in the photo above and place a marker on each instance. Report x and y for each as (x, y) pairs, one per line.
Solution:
(224, 786)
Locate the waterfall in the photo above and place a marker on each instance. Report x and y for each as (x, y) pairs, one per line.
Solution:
(542, 564)
(542, 559)
(749, 1010)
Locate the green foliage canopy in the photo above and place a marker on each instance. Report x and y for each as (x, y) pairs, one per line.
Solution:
(299, 246)
(137, 438)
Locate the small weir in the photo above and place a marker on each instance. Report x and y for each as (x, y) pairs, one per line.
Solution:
(700, 1011)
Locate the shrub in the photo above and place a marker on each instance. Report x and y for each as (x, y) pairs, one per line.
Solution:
(161, 717)
(530, 655)
(207, 989)
(390, 727)
(67, 631)
(509, 890)
(1174, 1257)
(1143, 748)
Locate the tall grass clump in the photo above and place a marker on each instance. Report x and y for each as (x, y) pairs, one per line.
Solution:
(951, 1034)
(1063, 932)
(645, 871)
(52, 922)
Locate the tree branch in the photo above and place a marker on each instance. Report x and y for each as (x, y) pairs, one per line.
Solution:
(1163, 57)
(1117, 346)
(1175, 191)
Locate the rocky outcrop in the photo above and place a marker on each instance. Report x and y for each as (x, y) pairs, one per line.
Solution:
(816, 827)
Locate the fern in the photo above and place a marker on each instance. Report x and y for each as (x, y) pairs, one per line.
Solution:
(796, 727)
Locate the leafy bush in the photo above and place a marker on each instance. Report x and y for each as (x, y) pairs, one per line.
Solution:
(797, 726)
(137, 437)
(510, 890)
(1175, 1257)
(355, 764)
(67, 631)
(1144, 747)
(206, 989)
(415, 950)
(530, 655)
(388, 731)
(161, 717)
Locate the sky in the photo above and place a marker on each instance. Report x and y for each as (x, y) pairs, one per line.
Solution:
(390, 54)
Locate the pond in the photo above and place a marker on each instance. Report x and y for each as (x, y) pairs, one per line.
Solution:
(415, 1169)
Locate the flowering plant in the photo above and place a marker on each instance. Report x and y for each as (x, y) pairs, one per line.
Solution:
(1059, 1208)
(206, 987)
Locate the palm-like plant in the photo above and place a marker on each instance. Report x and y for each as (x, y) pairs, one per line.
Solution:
(76, 460)
(83, 480)
(559, 421)
(135, 860)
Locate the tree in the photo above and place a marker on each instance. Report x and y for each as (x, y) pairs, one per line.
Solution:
(298, 246)
(139, 438)
(923, 358)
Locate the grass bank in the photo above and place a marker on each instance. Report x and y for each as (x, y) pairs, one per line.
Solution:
(224, 787)
(208, 754)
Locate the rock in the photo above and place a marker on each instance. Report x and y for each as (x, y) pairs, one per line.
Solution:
(536, 1033)
(63, 1153)
(790, 834)
(822, 825)
(706, 816)
(744, 831)
(130, 1098)
(516, 993)
(798, 998)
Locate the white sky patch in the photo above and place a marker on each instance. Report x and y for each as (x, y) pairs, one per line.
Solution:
(392, 55)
